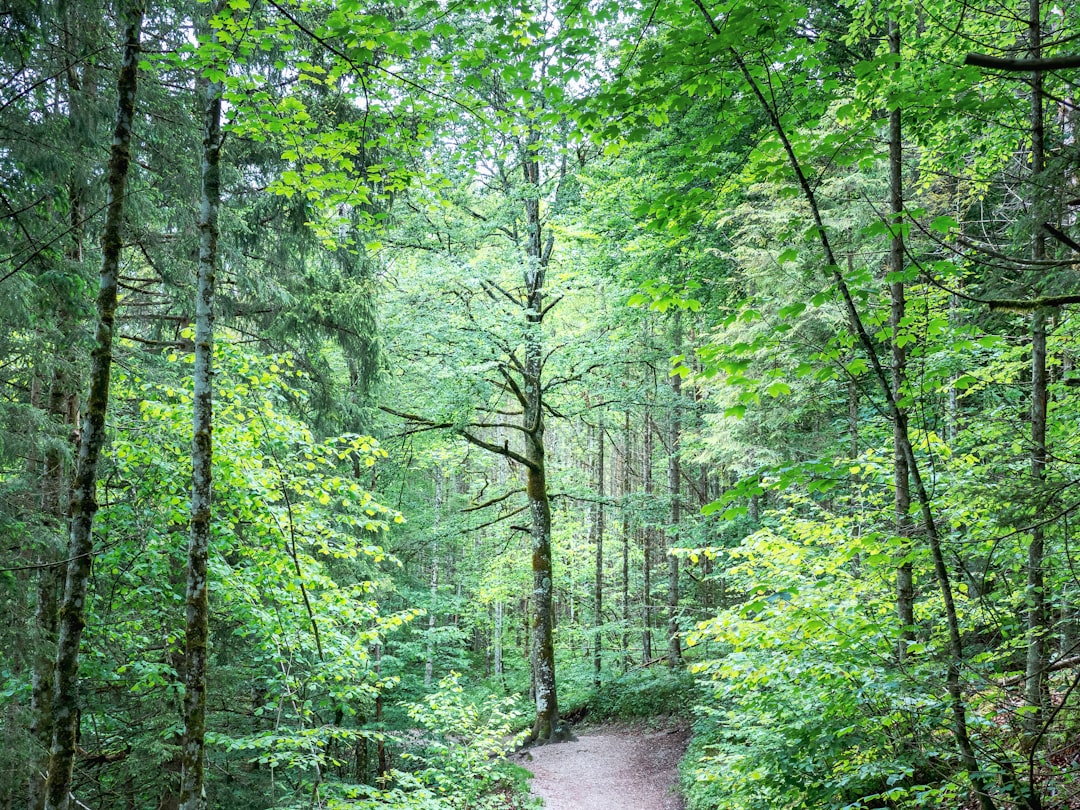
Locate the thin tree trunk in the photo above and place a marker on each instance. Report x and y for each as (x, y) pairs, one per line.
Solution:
(957, 701)
(646, 541)
(382, 761)
(197, 627)
(905, 583)
(497, 641)
(598, 541)
(429, 663)
(626, 542)
(674, 474)
(1035, 685)
(84, 490)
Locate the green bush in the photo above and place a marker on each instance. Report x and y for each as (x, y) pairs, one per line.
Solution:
(643, 693)
(465, 746)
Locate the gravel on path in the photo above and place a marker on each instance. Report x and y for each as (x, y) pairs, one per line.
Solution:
(609, 768)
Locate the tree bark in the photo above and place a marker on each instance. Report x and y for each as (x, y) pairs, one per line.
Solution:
(905, 584)
(84, 490)
(429, 663)
(197, 625)
(626, 455)
(1035, 685)
(646, 541)
(546, 725)
(674, 475)
(597, 531)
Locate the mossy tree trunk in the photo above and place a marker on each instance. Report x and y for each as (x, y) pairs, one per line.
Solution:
(197, 624)
(84, 490)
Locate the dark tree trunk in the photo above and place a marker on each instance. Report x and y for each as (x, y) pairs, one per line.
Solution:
(905, 585)
(674, 475)
(597, 531)
(646, 541)
(1035, 685)
(626, 456)
(84, 490)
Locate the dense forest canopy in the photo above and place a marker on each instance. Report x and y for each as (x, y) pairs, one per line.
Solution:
(383, 385)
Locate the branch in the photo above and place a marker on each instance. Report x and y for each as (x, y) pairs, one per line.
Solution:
(1061, 236)
(514, 388)
(492, 502)
(549, 307)
(1064, 663)
(1032, 304)
(504, 450)
(1067, 62)
(499, 519)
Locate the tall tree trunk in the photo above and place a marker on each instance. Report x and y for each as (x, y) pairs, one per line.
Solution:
(905, 584)
(84, 490)
(546, 725)
(646, 540)
(597, 532)
(674, 475)
(62, 410)
(1035, 684)
(626, 456)
(497, 640)
(429, 663)
(197, 625)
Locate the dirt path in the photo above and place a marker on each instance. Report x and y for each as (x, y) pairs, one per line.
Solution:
(609, 768)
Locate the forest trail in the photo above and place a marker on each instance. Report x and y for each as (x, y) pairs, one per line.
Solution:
(609, 768)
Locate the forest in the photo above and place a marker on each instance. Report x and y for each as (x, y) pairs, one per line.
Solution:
(385, 385)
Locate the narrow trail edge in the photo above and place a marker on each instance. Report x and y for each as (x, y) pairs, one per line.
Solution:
(609, 767)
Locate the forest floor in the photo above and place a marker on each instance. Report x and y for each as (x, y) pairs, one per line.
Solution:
(609, 767)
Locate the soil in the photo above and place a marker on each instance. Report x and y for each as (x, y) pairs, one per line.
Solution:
(609, 768)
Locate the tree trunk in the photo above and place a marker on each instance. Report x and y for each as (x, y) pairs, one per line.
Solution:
(626, 542)
(429, 663)
(597, 531)
(905, 584)
(1035, 685)
(197, 626)
(674, 475)
(497, 640)
(546, 725)
(84, 490)
(646, 541)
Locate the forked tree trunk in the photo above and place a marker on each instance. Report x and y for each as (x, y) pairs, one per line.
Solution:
(84, 490)
(197, 625)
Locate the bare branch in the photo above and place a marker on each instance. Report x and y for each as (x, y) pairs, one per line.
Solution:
(1067, 62)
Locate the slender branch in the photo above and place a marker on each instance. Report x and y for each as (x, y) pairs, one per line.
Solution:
(503, 450)
(493, 501)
